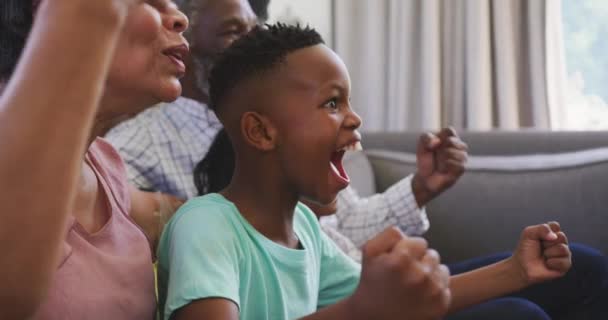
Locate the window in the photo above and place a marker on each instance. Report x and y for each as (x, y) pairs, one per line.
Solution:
(585, 27)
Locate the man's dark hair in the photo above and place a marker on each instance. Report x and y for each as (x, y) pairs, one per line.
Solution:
(260, 8)
(16, 17)
(257, 52)
(214, 172)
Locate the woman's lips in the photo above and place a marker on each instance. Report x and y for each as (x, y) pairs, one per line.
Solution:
(177, 54)
(181, 67)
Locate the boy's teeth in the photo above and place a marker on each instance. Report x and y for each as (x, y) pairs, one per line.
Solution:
(353, 147)
(333, 167)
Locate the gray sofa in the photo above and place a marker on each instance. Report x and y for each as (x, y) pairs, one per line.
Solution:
(513, 179)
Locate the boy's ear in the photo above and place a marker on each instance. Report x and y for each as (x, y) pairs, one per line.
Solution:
(258, 131)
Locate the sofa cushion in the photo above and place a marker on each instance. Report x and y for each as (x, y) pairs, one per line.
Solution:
(390, 166)
(498, 196)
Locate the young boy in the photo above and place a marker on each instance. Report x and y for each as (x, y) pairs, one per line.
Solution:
(550, 300)
(253, 252)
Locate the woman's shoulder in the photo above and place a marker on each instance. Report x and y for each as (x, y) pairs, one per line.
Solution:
(109, 164)
(104, 152)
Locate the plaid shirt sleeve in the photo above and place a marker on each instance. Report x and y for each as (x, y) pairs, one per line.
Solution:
(360, 219)
(344, 243)
(133, 141)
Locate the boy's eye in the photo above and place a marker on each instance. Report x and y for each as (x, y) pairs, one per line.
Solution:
(331, 104)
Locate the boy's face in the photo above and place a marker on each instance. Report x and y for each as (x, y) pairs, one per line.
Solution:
(310, 109)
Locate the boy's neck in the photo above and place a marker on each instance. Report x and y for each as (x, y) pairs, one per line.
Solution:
(265, 203)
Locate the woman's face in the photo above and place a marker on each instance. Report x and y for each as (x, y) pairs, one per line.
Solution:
(148, 61)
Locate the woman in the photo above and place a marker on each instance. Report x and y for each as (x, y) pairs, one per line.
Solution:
(76, 238)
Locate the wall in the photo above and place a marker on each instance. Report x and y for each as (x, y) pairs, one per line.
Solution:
(316, 13)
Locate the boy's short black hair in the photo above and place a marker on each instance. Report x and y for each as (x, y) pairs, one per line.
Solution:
(257, 52)
(16, 18)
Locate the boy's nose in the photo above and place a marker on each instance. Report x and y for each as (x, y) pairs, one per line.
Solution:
(352, 120)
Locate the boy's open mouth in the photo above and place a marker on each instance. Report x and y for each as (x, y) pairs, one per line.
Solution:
(336, 165)
(335, 162)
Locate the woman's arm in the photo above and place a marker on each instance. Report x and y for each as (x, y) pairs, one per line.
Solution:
(483, 284)
(151, 211)
(46, 115)
(541, 255)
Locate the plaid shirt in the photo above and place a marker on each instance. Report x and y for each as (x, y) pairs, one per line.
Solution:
(162, 145)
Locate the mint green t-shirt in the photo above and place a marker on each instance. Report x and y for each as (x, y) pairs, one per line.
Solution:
(209, 250)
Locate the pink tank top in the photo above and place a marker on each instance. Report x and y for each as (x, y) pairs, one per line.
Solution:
(109, 274)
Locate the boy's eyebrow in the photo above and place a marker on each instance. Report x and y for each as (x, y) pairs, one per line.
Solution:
(337, 85)
(302, 84)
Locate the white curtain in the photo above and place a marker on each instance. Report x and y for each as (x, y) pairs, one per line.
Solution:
(474, 64)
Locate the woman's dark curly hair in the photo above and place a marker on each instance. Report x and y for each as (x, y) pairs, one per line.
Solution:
(16, 18)
(214, 172)
(260, 8)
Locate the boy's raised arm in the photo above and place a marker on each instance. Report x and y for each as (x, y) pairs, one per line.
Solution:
(222, 309)
(400, 278)
(212, 308)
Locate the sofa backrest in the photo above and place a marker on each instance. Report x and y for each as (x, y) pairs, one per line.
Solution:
(498, 142)
(360, 172)
(499, 195)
